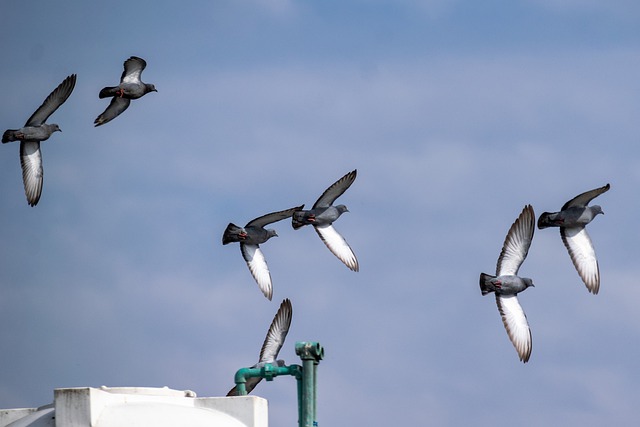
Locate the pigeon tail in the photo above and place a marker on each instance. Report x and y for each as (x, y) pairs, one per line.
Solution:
(231, 234)
(109, 92)
(485, 283)
(299, 219)
(9, 136)
(546, 220)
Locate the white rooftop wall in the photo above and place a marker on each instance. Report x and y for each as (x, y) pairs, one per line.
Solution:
(140, 407)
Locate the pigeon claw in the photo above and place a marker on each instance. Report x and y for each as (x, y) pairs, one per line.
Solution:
(120, 93)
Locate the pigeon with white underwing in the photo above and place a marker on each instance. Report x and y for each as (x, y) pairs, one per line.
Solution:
(250, 237)
(572, 220)
(323, 214)
(34, 132)
(506, 284)
(272, 344)
(130, 87)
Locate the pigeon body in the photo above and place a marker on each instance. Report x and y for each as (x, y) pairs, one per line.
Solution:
(572, 220)
(130, 87)
(34, 132)
(506, 284)
(323, 214)
(250, 237)
(272, 344)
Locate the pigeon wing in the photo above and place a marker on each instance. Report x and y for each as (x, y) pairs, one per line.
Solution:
(515, 322)
(53, 101)
(516, 244)
(277, 333)
(273, 217)
(336, 190)
(338, 246)
(583, 256)
(115, 108)
(133, 68)
(258, 267)
(584, 198)
(272, 343)
(32, 173)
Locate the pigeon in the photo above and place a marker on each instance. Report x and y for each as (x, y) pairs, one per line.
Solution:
(130, 87)
(572, 220)
(35, 131)
(322, 216)
(272, 344)
(506, 284)
(250, 236)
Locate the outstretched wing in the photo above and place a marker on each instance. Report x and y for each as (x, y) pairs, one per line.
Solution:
(133, 68)
(583, 256)
(338, 246)
(516, 244)
(273, 217)
(335, 190)
(515, 322)
(32, 173)
(584, 198)
(53, 101)
(277, 333)
(115, 108)
(258, 267)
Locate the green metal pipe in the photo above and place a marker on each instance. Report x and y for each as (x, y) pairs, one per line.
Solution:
(306, 378)
(311, 353)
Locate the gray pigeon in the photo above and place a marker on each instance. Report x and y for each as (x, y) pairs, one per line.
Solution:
(506, 283)
(572, 220)
(250, 236)
(35, 131)
(130, 87)
(322, 216)
(272, 344)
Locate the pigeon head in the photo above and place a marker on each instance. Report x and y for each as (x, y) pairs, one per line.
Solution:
(342, 209)
(528, 282)
(596, 209)
(271, 233)
(150, 88)
(54, 128)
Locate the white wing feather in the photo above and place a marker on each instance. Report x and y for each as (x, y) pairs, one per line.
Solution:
(515, 322)
(258, 267)
(338, 246)
(581, 251)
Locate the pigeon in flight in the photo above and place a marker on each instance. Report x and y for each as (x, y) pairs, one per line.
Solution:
(572, 220)
(130, 87)
(35, 131)
(322, 216)
(506, 284)
(272, 344)
(250, 236)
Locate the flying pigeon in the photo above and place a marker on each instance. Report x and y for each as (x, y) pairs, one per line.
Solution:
(272, 344)
(572, 220)
(130, 87)
(35, 131)
(322, 216)
(506, 283)
(250, 236)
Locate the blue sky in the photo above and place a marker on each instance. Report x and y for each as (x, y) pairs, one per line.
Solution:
(456, 115)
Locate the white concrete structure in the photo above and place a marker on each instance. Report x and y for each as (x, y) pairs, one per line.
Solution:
(139, 407)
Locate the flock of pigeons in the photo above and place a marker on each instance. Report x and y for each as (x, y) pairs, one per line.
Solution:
(36, 130)
(321, 215)
(506, 284)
